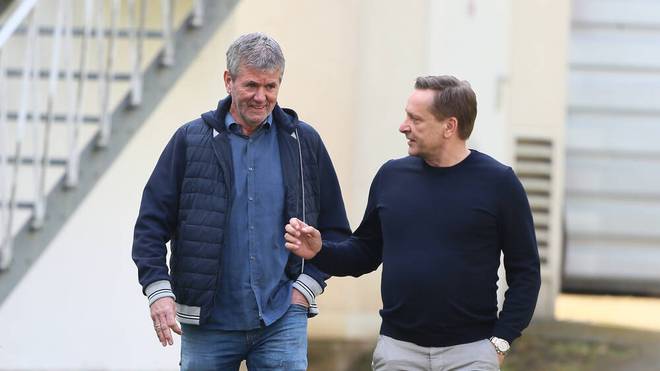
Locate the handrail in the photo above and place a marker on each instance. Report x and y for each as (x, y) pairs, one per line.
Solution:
(137, 40)
(105, 86)
(40, 201)
(17, 17)
(6, 241)
(36, 119)
(167, 58)
(73, 161)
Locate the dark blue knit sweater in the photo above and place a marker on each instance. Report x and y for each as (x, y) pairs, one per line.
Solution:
(438, 233)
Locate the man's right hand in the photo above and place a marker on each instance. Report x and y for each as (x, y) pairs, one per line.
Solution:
(163, 315)
(302, 239)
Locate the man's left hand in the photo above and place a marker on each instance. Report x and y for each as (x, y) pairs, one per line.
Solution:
(500, 359)
(298, 298)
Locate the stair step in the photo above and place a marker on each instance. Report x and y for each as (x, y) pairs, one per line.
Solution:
(21, 217)
(90, 103)
(153, 20)
(25, 186)
(90, 75)
(59, 135)
(14, 54)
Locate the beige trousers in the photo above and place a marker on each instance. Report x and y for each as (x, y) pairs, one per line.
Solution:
(396, 355)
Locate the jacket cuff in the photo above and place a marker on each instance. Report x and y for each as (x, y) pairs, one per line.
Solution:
(310, 289)
(159, 289)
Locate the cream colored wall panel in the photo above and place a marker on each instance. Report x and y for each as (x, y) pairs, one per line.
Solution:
(536, 102)
(613, 161)
(627, 218)
(614, 175)
(388, 61)
(602, 259)
(612, 91)
(615, 49)
(320, 46)
(604, 133)
(478, 50)
(639, 12)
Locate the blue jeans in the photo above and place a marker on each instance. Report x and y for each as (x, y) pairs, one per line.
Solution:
(280, 346)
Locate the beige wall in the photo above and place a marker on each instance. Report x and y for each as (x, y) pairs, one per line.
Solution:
(350, 69)
(537, 104)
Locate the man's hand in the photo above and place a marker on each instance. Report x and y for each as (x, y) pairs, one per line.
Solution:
(500, 359)
(163, 315)
(302, 239)
(298, 298)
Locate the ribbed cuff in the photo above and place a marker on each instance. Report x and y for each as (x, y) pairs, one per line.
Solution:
(310, 289)
(159, 289)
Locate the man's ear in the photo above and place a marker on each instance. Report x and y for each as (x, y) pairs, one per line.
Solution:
(451, 127)
(228, 81)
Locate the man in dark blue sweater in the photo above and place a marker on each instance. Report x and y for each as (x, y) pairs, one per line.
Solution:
(438, 220)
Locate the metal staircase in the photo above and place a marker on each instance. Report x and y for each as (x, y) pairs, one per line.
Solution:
(72, 87)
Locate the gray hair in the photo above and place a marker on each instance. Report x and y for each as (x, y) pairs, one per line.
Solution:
(256, 50)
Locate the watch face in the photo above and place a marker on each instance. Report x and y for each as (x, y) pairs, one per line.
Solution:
(502, 345)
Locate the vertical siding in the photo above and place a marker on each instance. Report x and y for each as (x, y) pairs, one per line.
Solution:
(613, 147)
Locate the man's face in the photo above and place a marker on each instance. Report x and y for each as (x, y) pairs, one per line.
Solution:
(425, 133)
(253, 94)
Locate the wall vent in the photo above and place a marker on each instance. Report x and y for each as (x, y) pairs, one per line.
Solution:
(533, 165)
(536, 164)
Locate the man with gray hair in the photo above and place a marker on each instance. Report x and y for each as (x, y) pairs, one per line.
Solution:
(221, 193)
(438, 221)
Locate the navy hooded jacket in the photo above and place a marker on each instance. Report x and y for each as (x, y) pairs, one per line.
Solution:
(188, 197)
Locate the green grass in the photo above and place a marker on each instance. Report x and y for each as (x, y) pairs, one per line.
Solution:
(537, 353)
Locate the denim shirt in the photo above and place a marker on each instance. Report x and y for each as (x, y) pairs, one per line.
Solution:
(253, 289)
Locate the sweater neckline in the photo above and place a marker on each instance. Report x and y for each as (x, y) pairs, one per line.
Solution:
(444, 169)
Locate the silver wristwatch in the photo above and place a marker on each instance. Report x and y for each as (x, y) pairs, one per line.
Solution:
(501, 346)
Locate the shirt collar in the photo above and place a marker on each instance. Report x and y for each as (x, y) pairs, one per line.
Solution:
(230, 121)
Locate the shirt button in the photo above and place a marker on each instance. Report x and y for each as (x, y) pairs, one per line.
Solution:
(250, 168)
(250, 198)
(252, 228)
(251, 257)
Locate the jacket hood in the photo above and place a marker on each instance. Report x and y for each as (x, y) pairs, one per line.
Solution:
(286, 119)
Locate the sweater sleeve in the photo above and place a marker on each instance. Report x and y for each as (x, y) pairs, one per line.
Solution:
(362, 252)
(521, 259)
(156, 222)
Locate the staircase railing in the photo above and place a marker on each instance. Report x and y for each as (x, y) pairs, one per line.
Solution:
(67, 82)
